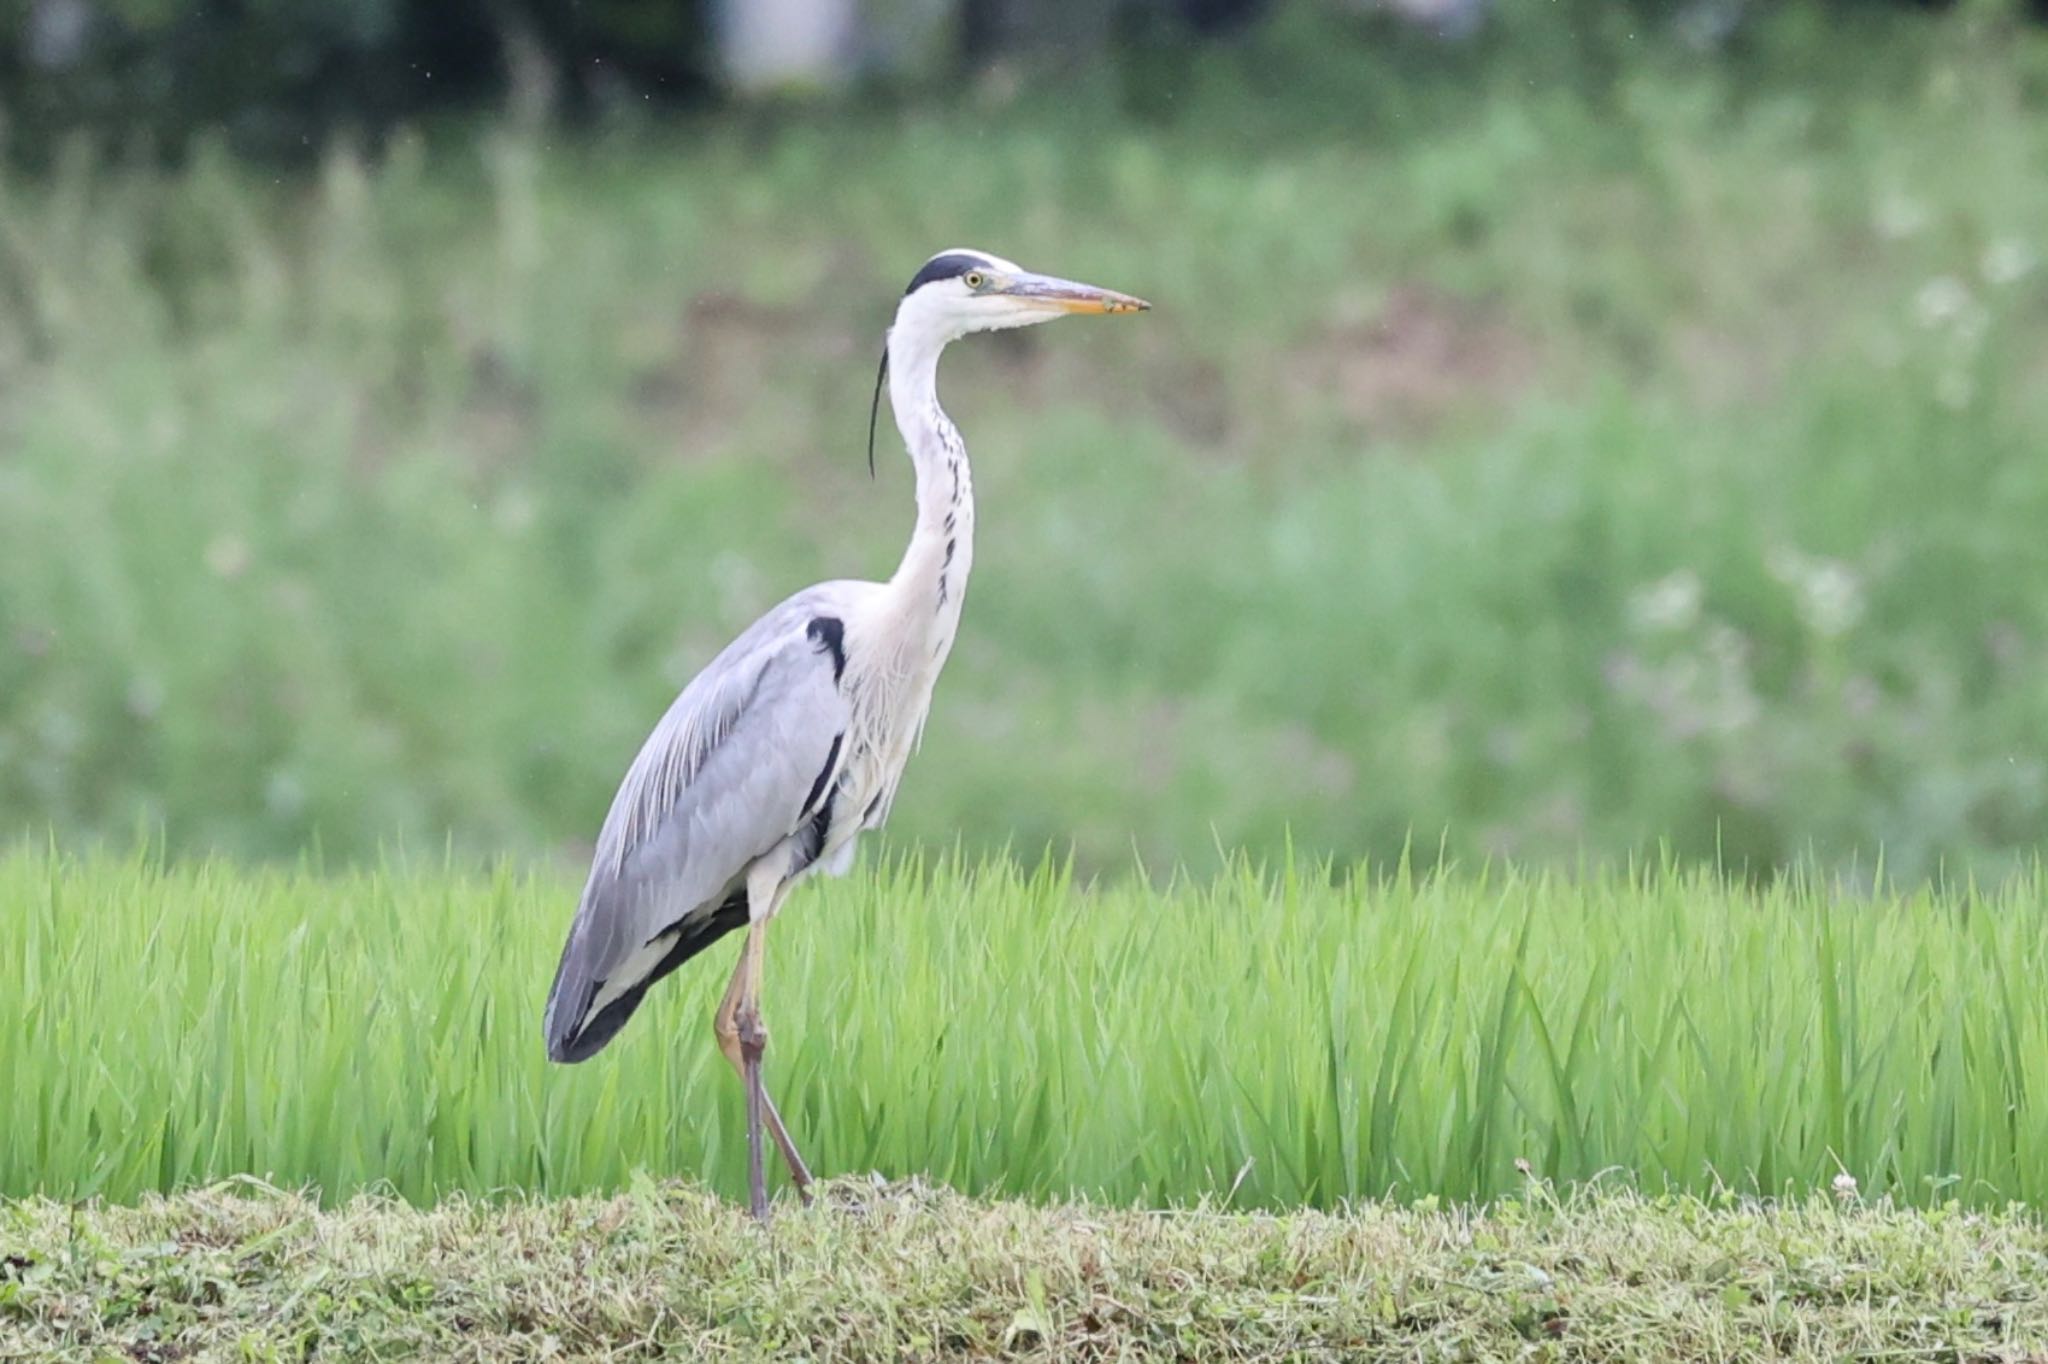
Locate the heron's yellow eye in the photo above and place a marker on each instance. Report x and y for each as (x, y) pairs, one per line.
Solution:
(975, 279)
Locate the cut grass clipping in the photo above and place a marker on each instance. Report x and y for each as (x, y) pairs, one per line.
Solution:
(900, 1272)
(1267, 1040)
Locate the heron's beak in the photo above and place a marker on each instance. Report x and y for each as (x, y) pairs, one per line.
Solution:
(1064, 295)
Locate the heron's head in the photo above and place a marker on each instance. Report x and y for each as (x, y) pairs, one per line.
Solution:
(961, 291)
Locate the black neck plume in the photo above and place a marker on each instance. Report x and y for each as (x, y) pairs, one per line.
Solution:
(875, 407)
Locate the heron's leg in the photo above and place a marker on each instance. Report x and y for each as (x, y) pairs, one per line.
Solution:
(799, 1173)
(743, 1037)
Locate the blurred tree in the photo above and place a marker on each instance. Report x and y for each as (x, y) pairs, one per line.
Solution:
(278, 76)
(271, 74)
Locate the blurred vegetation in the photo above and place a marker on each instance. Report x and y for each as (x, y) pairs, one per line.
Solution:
(1527, 455)
(278, 78)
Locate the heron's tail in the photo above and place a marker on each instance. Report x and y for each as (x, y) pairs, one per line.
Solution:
(578, 1025)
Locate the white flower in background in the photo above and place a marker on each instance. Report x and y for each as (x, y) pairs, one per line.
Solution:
(228, 556)
(1942, 300)
(2007, 261)
(1669, 604)
(1727, 703)
(1828, 593)
(1898, 217)
(1833, 600)
(1845, 1187)
(1700, 691)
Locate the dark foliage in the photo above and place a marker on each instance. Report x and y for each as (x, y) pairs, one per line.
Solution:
(279, 76)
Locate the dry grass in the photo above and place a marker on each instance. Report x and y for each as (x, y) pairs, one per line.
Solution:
(242, 1271)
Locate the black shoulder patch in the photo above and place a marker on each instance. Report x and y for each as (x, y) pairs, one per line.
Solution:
(829, 632)
(952, 265)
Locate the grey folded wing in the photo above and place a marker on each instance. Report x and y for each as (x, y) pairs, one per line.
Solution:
(740, 762)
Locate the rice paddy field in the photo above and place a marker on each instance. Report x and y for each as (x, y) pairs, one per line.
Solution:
(1265, 1040)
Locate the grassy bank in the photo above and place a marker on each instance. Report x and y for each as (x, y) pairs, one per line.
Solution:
(1291, 1037)
(1563, 459)
(894, 1272)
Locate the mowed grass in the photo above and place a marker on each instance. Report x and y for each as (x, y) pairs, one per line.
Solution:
(1539, 457)
(1257, 1040)
(901, 1272)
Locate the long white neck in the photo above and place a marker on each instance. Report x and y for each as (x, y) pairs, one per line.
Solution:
(932, 579)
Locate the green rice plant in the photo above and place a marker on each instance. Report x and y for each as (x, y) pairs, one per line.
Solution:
(1269, 1037)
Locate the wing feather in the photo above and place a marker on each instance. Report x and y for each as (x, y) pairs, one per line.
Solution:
(723, 778)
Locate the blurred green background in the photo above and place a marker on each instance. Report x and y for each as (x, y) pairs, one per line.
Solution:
(1563, 430)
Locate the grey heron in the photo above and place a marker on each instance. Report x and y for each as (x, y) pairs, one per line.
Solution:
(791, 742)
